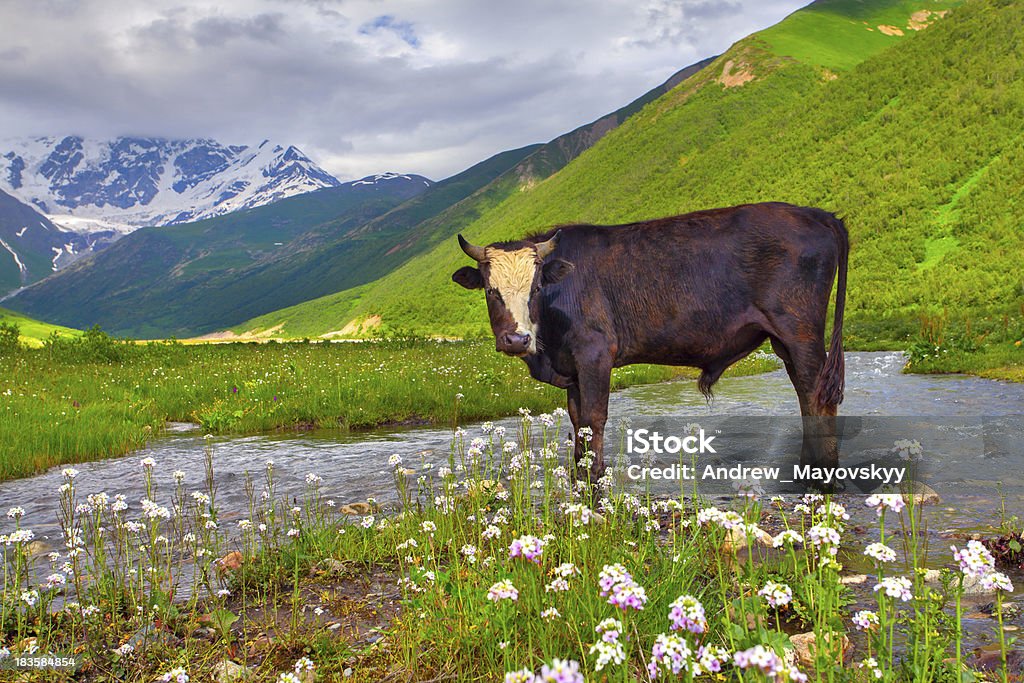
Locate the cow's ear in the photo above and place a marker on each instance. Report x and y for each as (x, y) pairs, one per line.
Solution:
(469, 277)
(555, 270)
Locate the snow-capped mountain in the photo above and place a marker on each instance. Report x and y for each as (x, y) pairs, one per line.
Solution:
(88, 185)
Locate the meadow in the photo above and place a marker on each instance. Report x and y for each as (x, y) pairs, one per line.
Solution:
(497, 566)
(93, 396)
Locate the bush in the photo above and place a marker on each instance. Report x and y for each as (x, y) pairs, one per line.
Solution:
(10, 339)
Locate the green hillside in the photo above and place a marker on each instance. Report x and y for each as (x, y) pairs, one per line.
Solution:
(918, 147)
(33, 332)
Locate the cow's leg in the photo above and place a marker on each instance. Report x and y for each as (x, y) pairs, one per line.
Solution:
(819, 425)
(803, 361)
(594, 386)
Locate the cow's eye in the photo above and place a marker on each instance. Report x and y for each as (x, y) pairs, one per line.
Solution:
(491, 291)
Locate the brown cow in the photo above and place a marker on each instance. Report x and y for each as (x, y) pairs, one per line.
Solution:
(704, 289)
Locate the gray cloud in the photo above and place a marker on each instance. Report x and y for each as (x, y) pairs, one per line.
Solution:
(363, 86)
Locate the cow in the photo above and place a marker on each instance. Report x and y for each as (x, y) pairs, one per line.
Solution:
(703, 289)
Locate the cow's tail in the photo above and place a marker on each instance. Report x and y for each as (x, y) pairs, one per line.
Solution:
(828, 390)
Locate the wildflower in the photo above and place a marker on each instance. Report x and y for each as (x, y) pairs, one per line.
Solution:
(55, 580)
(556, 586)
(975, 560)
(288, 677)
(245, 524)
(223, 593)
(586, 433)
(395, 461)
(670, 653)
(367, 521)
(124, 650)
(16, 512)
(709, 659)
(502, 590)
(550, 614)
(776, 594)
(787, 536)
(69, 473)
(865, 619)
(871, 664)
(908, 449)
(758, 657)
(880, 552)
(561, 671)
(834, 511)
(179, 476)
(428, 527)
(885, 501)
(607, 653)
(521, 676)
(176, 675)
(30, 597)
(469, 552)
(610, 575)
(749, 488)
(628, 594)
(491, 532)
(824, 536)
(148, 463)
(304, 664)
(527, 547)
(895, 587)
(314, 479)
(994, 581)
(565, 570)
(686, 613)
(293, 533)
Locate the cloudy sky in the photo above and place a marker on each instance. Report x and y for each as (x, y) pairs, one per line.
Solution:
(362, 86)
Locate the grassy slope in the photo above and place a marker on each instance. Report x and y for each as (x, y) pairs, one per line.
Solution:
(33, 332)
(918, 147)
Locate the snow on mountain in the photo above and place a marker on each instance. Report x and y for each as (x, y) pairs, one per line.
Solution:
(92, 185)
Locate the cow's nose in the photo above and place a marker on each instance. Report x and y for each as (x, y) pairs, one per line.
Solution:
(515, 342)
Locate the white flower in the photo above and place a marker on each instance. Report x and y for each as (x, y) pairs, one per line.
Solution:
(776, 594)
(880, 552)
(996, 581)
(148, 463)
(16, 512)
(895, 587)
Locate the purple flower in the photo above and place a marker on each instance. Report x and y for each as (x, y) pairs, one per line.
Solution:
(670, 653)
(527, 547)
(895, 587)
(686, 613)
(561, 671)
(502, 590)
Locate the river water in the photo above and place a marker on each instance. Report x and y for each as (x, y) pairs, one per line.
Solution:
(971, 431)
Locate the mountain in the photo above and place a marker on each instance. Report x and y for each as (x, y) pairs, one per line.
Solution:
(152, 285)
(129, 182)
(911, 133)
(146, 282)
(32, 247)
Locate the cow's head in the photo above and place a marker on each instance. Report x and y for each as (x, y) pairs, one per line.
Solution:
(512, 275)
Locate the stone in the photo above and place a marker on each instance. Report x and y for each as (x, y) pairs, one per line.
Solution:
(330, 565)
(915, 493)
(736, 540)
(231, 561)
(972, 584)
(227, 671)
(356, 509)
(805, 646)
(853, 579)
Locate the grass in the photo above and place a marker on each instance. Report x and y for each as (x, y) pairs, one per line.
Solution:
(492, 567)
(93, 397)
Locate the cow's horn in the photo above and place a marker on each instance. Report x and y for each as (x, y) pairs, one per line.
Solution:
(545, 248)
(472, 251)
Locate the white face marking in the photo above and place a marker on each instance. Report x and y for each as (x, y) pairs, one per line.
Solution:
(511, 273)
